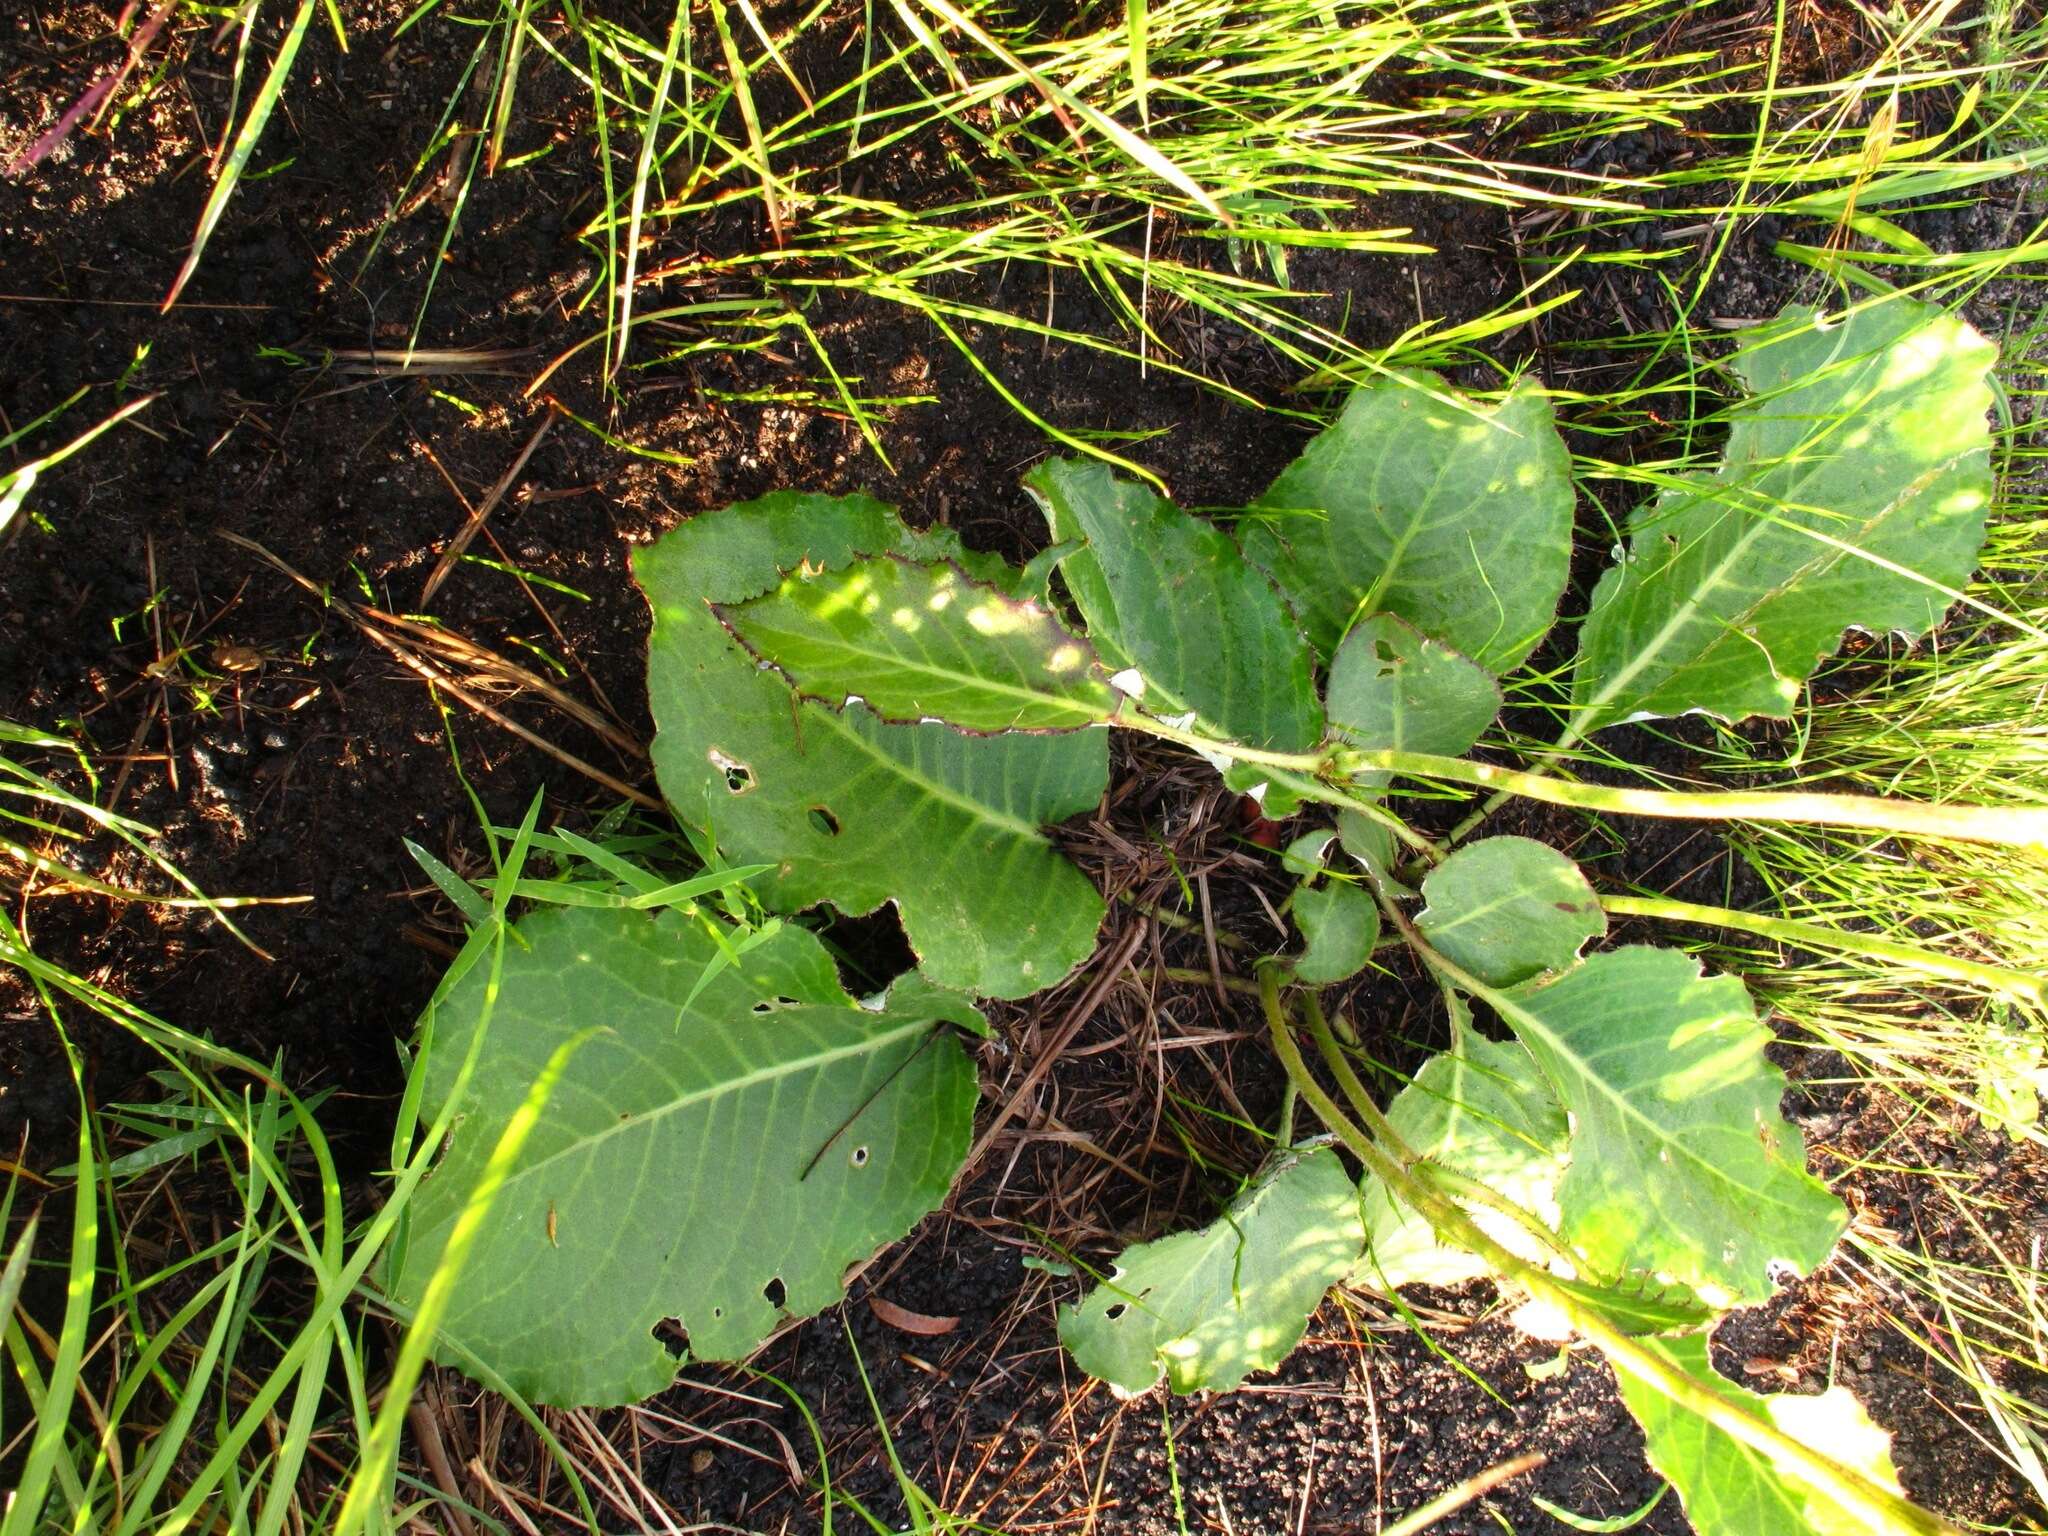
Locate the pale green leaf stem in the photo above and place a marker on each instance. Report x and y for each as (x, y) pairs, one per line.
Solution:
(1731, 1489)
(1913, 957)
(2012, 826)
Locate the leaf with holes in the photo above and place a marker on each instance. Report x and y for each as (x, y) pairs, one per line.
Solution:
(717, 1159)
(1508, 908)
(1681, 1165)
(1172, 596)
(1732, 1490)
(1393, 688)
(1206, 1308)
(1419, 502)
(849, 808)
(1852, 493)
(921, 641)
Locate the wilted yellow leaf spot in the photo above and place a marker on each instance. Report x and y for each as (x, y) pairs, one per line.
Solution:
(1838, 1423)
(994, 619)
(1916, 355)
(852, 590)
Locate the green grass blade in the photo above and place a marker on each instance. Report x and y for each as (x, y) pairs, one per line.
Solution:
(17, 483)
(458, 890)
(507, 85)
(1136, 147)
(9, 439)
(380, 1451)
(1135, 18)
(174, 1439)
(245, 145)
(46, 1452)
(750, 117)
(683, 890)
(17, 1268)
(650, 132)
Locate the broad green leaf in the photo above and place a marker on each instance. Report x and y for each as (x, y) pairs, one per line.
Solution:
(1173, 597)
(1681, 1165)
(1731, 1490)
(1206, 1308)
(848, 808)
(1305, 855)
(716, 1159)
(1453, 515)
(1369, 842)
(1340, 923)
(1852, 493)
(1482, 1110)
(1392, 687)
(915, 992)
(1508, 908)
(922, 642)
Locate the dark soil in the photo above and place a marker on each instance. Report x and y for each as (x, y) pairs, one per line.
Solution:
(301, 775)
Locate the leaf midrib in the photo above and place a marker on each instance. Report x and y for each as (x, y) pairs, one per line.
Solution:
(1086, 713)
(1791, 493)
(1519, 1017)
(816, 1060)
(976, 810)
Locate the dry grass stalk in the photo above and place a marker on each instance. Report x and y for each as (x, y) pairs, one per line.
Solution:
(434, 654)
